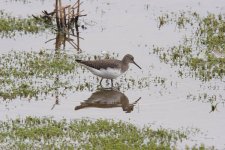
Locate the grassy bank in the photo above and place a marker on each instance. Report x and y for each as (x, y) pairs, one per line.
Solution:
(46, 133)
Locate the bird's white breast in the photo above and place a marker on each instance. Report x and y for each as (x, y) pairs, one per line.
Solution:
(109, 73)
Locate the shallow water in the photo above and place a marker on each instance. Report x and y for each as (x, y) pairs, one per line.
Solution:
(128, 27)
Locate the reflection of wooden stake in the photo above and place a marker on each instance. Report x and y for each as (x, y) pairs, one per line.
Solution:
(56, 94)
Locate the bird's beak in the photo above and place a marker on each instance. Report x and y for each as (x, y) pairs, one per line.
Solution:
(136, 64)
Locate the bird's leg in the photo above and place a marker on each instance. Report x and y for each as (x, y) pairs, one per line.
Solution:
(112, 83)
(101, 82)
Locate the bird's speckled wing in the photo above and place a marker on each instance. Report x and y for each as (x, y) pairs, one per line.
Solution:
(101, 64)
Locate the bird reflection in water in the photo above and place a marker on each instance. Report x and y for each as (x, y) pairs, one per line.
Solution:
(108, 98)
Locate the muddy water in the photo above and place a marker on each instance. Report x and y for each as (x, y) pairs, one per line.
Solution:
(123, 27)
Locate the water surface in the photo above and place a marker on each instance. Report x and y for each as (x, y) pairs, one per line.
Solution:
(122, 27)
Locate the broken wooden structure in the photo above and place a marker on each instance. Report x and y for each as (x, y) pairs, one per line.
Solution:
(65, 18)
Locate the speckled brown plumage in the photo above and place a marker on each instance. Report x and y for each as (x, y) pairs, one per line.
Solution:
(102, 64)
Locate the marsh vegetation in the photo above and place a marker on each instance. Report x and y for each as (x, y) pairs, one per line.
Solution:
(40, 74)
(46, 133)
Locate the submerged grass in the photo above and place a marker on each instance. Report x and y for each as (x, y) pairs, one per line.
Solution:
(46, 133)
(10, 25)
(35, 74)
(204, 51)
(28, 74)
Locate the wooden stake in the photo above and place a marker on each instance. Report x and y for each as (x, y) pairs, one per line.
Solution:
(57, 14)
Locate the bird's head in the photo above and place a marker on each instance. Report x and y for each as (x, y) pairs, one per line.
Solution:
(130, 59)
